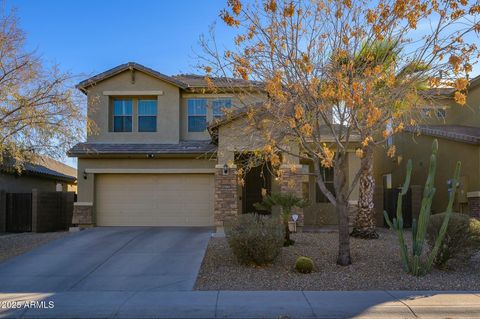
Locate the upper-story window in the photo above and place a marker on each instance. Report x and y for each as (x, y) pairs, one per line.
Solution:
(218, 107)
(122, 115)
(197, 115)
(147, 115)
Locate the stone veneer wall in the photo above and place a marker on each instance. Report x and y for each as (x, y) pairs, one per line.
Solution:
(291, 181)
(226, 199)
(474, 204)
(83, 214)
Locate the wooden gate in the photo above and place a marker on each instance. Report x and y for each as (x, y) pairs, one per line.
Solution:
(18, 212)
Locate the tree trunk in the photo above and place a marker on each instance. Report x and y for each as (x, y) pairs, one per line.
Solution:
(364, 224)
(344, 258)
(288, 241)
(341, 208)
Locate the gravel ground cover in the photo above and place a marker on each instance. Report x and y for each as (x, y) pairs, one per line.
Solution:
(15, 244)
(376, 266)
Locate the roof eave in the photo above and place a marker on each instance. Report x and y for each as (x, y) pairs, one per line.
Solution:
(139, 154)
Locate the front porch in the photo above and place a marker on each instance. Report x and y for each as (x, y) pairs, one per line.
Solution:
(235, 137)
(236, 194)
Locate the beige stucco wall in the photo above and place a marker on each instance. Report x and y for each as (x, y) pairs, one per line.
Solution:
(86, 186)
(237, 136)
(468, 114)
(168, 115)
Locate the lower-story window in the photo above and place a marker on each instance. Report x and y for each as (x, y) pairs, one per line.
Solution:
(327, 175)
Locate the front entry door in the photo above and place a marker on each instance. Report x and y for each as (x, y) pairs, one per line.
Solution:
(256, 179)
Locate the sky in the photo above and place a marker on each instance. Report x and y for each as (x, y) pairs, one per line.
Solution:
(88, 37)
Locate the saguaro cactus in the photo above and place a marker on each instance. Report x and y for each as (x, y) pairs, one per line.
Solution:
(413, 263)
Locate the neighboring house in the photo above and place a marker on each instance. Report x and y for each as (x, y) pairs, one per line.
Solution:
(158, 159)
(457, 129)
(44, 174)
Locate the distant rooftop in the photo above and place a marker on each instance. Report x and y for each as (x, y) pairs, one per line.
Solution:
(46, 166)
(459, 133)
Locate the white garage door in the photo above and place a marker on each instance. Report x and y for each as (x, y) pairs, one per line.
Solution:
(154, 199)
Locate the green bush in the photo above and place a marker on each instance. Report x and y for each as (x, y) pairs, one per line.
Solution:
(255, 239)
(462, 238)
(304, 265)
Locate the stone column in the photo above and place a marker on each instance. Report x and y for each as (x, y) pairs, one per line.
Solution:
(226, 201)
(474, 204)
(291, 182)
(83, 210)
(83, 214)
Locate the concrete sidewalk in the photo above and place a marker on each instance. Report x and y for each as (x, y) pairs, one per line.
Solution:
(244, 304)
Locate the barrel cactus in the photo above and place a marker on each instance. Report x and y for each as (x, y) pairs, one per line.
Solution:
(413, 263)
(304, 265)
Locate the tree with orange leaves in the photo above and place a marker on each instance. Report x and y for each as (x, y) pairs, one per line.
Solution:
(343, 74)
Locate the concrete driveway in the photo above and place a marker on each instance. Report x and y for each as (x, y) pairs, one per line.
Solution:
(111, 259)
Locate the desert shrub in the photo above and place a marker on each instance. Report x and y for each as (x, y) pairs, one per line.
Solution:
(304, 265)
(255, 239)
(462, 238)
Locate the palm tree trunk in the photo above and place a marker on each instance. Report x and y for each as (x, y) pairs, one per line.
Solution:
(364, 223)
(288, 241)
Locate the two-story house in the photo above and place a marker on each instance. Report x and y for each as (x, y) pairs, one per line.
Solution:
(457, 129)
(158, 158)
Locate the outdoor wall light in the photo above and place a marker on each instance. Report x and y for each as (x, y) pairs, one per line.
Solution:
(225, 169)
(84, 175)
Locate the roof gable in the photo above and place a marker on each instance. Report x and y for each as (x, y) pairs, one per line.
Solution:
(82, 86)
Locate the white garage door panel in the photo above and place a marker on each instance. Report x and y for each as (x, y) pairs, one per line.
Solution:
(154, 199)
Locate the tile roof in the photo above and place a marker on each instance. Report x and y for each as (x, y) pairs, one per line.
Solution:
(459, 133)
(183, 81)
(199, 81)
(46, 166)
(184, 147)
